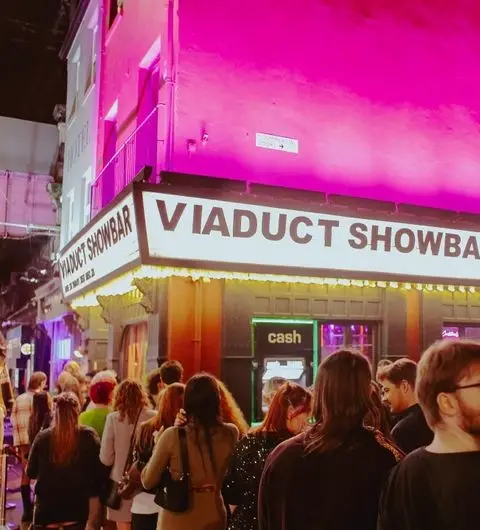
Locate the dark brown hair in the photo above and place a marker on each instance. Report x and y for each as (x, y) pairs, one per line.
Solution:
(289, 394)
(378, 416)
(440, 369)
(171, 372)
(65, 429)
(342, 399)
(41, 414)
(153, 380)
(400, 370)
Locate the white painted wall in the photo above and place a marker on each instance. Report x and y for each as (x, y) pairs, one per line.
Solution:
(81, 129)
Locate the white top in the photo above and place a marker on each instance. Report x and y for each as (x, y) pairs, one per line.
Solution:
(144, 504)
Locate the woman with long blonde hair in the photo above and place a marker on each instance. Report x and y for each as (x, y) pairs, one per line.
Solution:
(144, 509)
(131, 408)
(64, 462)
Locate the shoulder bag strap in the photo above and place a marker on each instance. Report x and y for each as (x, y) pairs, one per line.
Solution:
(132, 443)
(182, 435)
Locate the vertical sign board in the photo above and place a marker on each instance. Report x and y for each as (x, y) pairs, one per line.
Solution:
(278, 339)
(103, 247)
(281, 349)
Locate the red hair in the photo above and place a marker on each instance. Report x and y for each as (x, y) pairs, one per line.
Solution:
(101, 393)
(230, 410)
(288, 395)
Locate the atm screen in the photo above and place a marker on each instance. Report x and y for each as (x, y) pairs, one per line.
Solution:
(293, 369)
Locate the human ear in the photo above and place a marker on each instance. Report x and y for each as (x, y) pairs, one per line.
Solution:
(446, 404)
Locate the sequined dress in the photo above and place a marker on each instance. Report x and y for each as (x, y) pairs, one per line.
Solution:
(243, 479)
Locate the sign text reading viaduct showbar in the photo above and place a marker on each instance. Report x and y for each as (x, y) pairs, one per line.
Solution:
(192, 228)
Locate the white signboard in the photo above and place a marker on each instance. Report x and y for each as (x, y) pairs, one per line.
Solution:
(110, 243)
(277, 143)
(198, 229)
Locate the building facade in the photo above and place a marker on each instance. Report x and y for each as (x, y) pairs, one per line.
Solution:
(66, 333)
(344, 149)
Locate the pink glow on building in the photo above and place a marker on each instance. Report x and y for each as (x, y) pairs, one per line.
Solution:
(383, 104)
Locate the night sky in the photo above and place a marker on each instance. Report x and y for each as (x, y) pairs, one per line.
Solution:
(33, 76)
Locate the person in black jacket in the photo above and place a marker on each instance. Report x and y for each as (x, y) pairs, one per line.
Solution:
(64, 460)
(398, 384)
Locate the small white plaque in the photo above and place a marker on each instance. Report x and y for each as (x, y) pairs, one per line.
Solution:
(277, 143)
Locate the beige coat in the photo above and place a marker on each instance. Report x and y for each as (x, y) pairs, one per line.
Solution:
(207, 510)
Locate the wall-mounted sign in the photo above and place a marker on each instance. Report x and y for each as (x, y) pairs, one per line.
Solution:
(105, 245)
(282, 338)
(204, 230)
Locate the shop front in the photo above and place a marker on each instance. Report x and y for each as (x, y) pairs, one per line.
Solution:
(246, 284)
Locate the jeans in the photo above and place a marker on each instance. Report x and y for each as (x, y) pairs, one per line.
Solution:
(142, 521)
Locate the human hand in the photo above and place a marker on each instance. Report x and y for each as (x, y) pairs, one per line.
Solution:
(181, 418)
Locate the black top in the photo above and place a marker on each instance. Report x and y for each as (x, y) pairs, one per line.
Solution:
(62, 493)
(243, 478)
(336, 490)
(430, 491)
(411, 430)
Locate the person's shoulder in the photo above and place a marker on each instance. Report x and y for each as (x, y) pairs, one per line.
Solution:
(231, 429)
(88, 433)
(385, 446)
(289, 449)
(147, 414)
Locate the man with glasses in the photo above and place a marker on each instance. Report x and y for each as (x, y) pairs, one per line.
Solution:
(436, 487)
(398, 386)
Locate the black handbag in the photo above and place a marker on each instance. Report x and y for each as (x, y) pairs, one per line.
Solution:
(112, 497)
(174, 495)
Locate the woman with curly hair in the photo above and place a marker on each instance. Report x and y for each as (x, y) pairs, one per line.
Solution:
(131, 408)
(230, 410)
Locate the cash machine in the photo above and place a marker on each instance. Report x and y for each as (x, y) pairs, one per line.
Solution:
(285, 348)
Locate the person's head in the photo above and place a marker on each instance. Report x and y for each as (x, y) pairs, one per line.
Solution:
(342, 399)
(72, 367)
(382, 363)
(37, 382)
(130, 399)
(202, 400)
(171, 372)
(270, 388)
(65, 429)
(202, 406)
(289, 410)
(448, 386)
(41, 408)
(154, 382)
(229, 409)
(102, 387)
(378, 416)
(169, 404)
(398, 384)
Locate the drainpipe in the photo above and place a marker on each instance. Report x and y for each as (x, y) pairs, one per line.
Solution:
(170, 84)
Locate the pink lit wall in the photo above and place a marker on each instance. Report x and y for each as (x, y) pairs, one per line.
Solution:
(383, 100)
(127, 45)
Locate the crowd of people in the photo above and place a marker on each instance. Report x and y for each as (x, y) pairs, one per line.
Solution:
(396, 451)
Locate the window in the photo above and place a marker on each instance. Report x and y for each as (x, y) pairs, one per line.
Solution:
(71, 215)
(92, 63)
(74, 84)
(87, 194)
(116, 8)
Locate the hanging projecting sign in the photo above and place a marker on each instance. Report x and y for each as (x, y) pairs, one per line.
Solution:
(103, 247)
(211, 233)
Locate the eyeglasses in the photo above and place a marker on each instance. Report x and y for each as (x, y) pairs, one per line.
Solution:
(464, 387)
